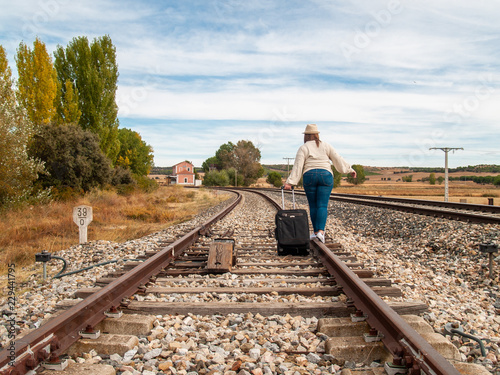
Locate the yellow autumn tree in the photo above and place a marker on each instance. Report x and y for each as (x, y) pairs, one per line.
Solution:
(6, 93)
(37, 85)
(17, 169)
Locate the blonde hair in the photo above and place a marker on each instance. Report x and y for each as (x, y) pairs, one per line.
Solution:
(312, 137)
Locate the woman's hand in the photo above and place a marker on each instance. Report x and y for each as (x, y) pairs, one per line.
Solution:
(288, 187)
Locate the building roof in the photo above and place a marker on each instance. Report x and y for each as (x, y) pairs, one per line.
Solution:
(184, 162)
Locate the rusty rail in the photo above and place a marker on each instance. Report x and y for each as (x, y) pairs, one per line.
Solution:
(268, 198)
(53, 338)
(404, 343)
(444, 211)
(426, 202)
(425, 207)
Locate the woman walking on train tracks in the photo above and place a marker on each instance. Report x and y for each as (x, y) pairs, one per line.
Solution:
(313, 161)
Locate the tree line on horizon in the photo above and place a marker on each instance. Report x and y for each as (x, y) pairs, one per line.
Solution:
(482, 168)
(59, 130)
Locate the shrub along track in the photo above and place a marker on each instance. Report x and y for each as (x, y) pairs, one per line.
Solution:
(329, 283)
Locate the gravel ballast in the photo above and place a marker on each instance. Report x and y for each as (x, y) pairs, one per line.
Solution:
(432, 260)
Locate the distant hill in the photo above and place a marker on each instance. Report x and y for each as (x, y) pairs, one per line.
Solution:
(161, 170)
(168, 170)
(280, 168)
(483, 168)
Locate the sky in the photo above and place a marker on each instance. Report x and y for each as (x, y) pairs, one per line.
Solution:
(385, 81)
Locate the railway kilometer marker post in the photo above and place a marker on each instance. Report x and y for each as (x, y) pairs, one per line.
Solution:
(82, 216)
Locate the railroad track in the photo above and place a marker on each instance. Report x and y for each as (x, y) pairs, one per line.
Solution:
(228, 270)
(477, 213)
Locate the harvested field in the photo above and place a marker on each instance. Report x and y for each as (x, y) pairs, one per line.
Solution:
(389, 183)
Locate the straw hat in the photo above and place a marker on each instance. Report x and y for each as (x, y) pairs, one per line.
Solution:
(311, 129)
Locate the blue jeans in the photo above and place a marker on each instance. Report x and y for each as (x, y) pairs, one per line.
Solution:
(318, 184)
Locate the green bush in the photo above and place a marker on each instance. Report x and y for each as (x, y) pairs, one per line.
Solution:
(146, 184)
(274, 178)
(122, 176)
(432, 179)
(337, 177)
(496, 181)
(72, 157)
(126, 189)
(231, 176)
(216, 178)
(360, 175)
(65, 193)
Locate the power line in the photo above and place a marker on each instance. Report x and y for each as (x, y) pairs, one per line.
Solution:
(484, 152)
(446, 150)
(288, 166)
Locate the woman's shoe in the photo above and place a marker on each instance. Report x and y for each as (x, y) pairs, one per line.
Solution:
(313, 236)
(321, 236)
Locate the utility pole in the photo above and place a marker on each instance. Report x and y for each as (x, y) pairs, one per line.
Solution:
(288, 166)
(446, 150)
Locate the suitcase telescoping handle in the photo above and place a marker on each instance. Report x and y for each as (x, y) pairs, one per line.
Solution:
(283, 196)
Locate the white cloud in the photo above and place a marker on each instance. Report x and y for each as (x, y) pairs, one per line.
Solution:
(247, 102)
(422, 73)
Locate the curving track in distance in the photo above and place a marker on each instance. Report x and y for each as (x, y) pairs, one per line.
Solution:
(478, 213)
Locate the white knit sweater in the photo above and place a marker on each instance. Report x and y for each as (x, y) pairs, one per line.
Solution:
(309, 156)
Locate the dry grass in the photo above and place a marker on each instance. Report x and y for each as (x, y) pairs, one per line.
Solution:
(115, 218)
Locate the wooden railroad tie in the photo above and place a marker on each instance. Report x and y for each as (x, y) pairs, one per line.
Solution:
(220, 255)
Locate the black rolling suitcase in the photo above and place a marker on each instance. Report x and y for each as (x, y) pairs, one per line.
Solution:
(292, 230)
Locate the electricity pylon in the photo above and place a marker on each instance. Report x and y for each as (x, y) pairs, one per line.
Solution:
(446, 150)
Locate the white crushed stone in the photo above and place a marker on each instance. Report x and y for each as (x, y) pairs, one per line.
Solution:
(432, 260)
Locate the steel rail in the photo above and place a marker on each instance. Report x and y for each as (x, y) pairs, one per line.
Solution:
(426, 202)
(268, 198)
(398, 337)
(53, 338)
(464, 216)
(384, 202)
